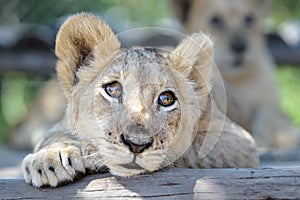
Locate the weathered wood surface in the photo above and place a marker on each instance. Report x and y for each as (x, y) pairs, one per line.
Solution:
(170, 184)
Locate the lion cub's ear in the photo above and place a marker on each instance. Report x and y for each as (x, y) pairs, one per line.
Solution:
(193, 58)
(75, 41)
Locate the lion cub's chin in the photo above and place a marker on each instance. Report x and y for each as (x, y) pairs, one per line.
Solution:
(119, 170)
(133, 168)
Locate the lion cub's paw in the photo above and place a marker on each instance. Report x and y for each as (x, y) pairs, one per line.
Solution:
(53, 166)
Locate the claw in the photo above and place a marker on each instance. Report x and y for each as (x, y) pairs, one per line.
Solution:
(54, 167)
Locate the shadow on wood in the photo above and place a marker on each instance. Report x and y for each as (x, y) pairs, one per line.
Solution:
(170, 184)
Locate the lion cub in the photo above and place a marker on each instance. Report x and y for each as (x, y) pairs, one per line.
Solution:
(132, 111)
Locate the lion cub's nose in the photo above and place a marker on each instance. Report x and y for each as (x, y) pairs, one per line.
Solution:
(136, 148)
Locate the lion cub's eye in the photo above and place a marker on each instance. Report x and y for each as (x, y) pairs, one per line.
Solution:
(166, 99)
(114, 89)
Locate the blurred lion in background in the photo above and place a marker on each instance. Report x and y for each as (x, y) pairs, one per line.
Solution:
(244, 62)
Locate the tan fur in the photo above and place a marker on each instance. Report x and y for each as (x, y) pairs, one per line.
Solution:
(251, 94)
(80, 44)
(192, 132)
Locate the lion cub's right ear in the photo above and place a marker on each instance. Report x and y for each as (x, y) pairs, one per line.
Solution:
(76, 39)
(193, 58)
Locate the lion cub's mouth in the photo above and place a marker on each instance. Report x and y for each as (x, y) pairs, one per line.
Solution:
(131, 165)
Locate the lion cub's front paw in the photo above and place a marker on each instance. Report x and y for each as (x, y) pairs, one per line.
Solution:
(53, 166)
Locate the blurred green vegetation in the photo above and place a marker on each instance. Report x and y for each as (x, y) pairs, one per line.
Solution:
(288, 81)
(282, 10)
(17, 90)
(36, 11)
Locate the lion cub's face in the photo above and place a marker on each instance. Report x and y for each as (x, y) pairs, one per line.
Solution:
(139, 108)
(138, 104)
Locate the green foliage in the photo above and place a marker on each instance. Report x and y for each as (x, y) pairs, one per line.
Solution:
(145, 11)
(288, 80)
(37, 11)
(4, 126)
(282, 10)
(17, 92)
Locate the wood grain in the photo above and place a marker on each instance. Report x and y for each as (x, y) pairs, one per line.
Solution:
(170, 184)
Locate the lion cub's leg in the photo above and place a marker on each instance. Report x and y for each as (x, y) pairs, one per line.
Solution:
(223, 145)
(234, 148)
(57, 160)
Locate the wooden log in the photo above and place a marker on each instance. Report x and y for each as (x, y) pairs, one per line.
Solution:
(170, 184)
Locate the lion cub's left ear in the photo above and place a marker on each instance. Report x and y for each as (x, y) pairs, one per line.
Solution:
(75, 41)
(193, 58)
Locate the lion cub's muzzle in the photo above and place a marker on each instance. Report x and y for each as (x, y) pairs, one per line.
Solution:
(136, 145)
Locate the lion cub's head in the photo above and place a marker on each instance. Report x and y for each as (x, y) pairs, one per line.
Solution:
(140, 108)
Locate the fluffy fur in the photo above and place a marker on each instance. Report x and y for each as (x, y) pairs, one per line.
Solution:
(98, 128)
(245, 64)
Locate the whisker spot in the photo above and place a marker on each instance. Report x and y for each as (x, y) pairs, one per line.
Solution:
(69, 161)
(51, 168)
